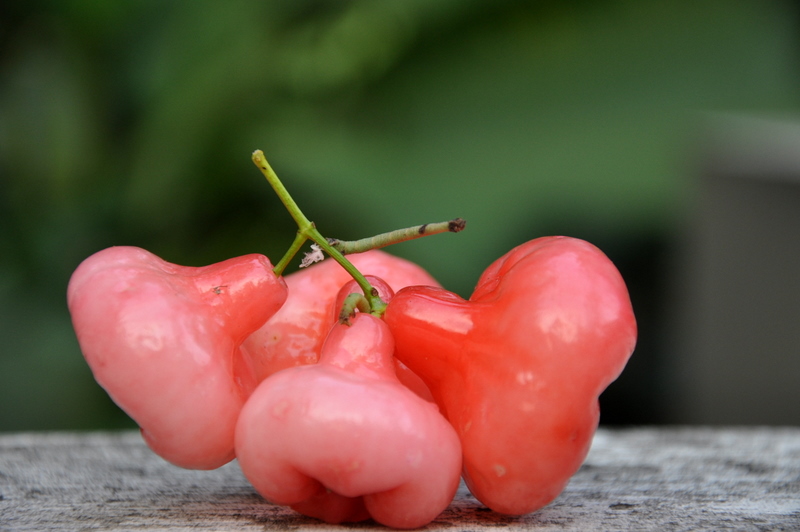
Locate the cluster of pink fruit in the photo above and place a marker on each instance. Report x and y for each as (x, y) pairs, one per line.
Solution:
(375, 412)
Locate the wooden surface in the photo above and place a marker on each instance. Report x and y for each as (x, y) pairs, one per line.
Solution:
(638, 479)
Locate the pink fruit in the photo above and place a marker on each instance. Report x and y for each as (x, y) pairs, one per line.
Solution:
(518, 368)
(164, 341)
(343, 440)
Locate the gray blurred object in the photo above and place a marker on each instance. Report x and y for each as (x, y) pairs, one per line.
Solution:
(738, 355)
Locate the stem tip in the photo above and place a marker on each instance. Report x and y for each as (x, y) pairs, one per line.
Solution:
(454, 226)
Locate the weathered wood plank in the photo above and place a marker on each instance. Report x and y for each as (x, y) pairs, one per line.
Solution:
(642, 479)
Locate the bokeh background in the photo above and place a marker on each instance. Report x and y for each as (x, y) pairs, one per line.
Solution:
(133, 123)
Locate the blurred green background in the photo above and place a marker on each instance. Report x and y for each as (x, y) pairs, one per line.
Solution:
(133, 122)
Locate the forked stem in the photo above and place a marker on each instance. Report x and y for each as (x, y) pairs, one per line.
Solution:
(337, 249)
(306, 230)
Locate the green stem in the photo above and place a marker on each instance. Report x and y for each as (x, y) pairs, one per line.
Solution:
(399, 235)
(377, 305)
(280, 190)
(307, 231)
(351, 303)
(299, 240)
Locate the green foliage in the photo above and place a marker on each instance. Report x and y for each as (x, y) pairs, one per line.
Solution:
(133, 123)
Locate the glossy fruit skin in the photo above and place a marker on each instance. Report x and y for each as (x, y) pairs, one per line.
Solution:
(519, 367)
(408, 378)
(295, 334)
(344, 440)
(164, 341)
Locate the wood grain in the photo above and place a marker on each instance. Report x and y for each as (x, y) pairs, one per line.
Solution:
(633, 479)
